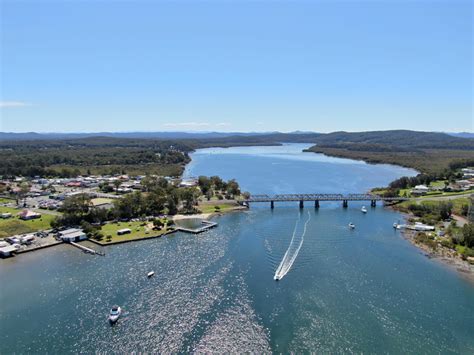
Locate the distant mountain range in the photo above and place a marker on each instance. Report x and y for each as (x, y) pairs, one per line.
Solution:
(149, 135)
(462, 135)
(398, 138)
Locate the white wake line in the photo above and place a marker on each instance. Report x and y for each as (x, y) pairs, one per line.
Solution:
(290, 257)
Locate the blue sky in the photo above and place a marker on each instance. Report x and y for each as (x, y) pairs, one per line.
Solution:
(85, 66)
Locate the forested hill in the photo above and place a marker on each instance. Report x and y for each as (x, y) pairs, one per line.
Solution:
(395, 140)
(425, 151)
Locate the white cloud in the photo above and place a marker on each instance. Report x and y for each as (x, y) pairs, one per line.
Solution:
(195, 124)
(8, 104)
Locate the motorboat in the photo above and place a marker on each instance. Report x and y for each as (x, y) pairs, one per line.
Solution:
(352, 225)
(395, 225)
(150, 274)
(114, 314)
(363, 209)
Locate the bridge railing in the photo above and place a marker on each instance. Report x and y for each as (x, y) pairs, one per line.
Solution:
(320, 197)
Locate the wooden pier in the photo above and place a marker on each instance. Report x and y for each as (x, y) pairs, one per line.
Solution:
(86, 249)
(206, 225)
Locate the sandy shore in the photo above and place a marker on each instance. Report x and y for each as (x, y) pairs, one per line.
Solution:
(208, 215)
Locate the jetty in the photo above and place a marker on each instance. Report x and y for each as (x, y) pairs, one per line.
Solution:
(86, 249)
(205, 225)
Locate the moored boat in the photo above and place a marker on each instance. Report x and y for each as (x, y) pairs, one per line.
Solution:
(352, 225)
(363, 209)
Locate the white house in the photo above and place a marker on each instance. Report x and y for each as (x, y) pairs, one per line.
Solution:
(188, 182)
(27, 215)
(124, 231)
(420, 190)
(7, 251)
(72, 235)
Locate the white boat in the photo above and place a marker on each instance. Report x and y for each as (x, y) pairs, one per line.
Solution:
(395, 225)
(114, 314)
(352, 225)
(363, 209)
(150, 274)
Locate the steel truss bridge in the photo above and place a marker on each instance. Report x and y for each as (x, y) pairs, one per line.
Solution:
(321, 197)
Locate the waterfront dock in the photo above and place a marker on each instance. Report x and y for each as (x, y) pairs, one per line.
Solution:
(206, 225)
(86, 249)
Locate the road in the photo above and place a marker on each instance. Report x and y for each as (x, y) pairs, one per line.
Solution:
(440, 198)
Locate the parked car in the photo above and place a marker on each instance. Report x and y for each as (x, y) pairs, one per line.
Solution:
(13, 240)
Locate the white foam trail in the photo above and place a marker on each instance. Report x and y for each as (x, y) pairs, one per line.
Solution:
(291, 253)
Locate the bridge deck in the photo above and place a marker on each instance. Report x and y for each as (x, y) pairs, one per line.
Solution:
(321, 197)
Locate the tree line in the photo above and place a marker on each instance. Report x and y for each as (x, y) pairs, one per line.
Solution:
(158, 197)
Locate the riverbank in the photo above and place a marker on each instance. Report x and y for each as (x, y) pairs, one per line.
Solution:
(209, 215)
(447, 256)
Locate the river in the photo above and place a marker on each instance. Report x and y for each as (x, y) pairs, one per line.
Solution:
(363, 290)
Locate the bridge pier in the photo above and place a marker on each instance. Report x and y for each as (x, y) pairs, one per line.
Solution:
(272, 204)
(344, 203)
(316, 204)
(373, 203)
(301, 204)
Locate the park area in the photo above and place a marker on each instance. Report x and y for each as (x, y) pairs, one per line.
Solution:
(138, 230)
(14, 225)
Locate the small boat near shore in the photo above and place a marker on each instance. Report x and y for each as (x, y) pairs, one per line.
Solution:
(150, 274)
(114, 314)
(363, 209)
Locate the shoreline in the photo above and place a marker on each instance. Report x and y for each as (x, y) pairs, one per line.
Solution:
(446, 257)
(208, 215)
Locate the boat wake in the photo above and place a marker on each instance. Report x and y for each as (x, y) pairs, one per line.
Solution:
(292, 251)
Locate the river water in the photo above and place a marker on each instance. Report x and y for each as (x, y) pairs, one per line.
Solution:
(363, 290)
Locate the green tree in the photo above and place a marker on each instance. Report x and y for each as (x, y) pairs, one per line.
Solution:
(172, 202)
(233, 188)
(204, 184)
(445, 210)
(217, 182)
(116, 184)
(75, 209)
(468, 234)
(189, 198)
(155, 201)
(157, 223)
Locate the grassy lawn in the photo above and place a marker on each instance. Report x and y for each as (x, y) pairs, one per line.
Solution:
(432, 193)
(139, 231)
(11, 210)
(14, 225)
(458, 204)
(210, 208)
(6, 200)
(437, 184)
(101, 201)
